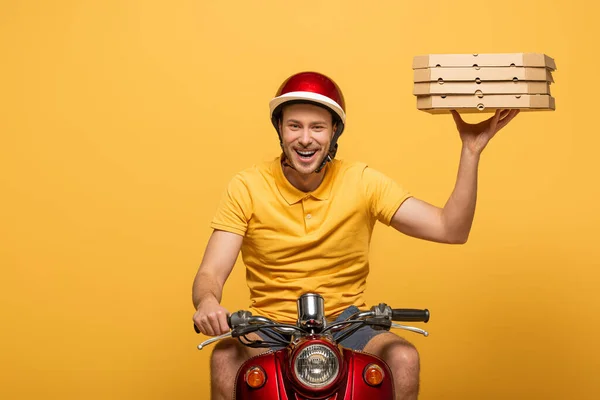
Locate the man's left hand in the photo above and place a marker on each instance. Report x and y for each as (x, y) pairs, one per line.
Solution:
(476, 136)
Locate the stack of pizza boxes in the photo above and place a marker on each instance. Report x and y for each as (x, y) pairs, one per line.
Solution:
(483, 82)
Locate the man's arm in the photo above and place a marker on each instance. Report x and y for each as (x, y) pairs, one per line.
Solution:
(219, 258)
(452, 223)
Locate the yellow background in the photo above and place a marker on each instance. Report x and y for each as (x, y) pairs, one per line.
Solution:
(121, 122)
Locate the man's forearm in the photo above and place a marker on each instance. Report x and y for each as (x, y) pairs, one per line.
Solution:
(206, 287)
(459, 210)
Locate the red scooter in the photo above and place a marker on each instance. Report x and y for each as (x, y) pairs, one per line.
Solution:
(311, 364)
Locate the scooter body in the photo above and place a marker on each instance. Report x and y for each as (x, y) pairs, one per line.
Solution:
(281, 385)
(307, 361)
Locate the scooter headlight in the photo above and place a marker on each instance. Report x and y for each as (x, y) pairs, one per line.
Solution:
(316, 366)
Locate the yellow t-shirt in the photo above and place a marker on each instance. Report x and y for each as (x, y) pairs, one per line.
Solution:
(297, 242)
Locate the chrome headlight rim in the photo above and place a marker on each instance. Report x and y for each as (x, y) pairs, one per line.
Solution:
(329, 382)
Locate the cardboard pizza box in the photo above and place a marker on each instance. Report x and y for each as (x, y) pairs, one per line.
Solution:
(483, 88)
(480, 74)
(470, 103)
(484, 60)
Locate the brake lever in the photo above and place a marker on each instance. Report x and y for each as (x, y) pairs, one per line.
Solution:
(214, 339)
(237, 332)
(411, 328)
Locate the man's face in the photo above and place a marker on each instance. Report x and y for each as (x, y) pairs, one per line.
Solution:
(306, 132)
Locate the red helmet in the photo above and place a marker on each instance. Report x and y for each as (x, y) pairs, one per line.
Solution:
(315, 88)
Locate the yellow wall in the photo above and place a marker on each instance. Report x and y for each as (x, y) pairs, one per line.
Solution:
(122, 121)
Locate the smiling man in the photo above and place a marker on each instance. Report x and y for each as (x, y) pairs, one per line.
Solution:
(303, 222)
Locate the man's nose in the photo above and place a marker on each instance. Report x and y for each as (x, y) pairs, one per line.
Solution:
(305, 138)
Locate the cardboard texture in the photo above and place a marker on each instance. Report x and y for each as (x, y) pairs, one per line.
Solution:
(458, 102)
(475, 83)
(483, 88)
(484, 60)
(483, 74)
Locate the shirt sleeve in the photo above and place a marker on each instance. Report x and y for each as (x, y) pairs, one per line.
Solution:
(384, 196)
(235, 208)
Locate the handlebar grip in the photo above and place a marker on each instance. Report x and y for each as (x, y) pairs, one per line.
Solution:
(196, 329)
(410, 315)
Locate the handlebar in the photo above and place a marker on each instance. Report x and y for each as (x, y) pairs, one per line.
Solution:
(410, 315)
(240, 318)
(379, 317)
(236, 319)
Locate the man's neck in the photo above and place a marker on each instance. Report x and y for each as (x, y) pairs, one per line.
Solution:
(305, 183)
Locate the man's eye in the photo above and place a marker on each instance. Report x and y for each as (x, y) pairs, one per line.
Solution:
(294, 126)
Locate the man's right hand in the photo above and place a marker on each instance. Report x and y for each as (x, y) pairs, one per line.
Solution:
(211, 318)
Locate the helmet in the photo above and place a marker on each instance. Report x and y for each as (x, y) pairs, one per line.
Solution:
(314, 88)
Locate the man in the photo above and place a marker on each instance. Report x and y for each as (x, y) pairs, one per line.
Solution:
(304, 221)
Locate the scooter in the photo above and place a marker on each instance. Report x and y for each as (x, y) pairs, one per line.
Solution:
(310, 363)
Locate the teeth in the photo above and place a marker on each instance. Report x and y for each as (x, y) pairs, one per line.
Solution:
(305, 153)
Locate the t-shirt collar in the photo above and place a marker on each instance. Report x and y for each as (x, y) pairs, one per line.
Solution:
(293, 195)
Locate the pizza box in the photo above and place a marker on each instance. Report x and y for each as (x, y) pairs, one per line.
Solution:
(477, 74)
(484, 60)
(441, 103)
(482, 88)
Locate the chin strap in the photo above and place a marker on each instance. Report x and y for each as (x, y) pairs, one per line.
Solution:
(285, 163)
(332, 151)
(327, 159)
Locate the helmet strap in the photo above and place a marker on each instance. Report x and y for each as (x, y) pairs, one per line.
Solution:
(332, 148)
(284, 161)
(327, 159)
